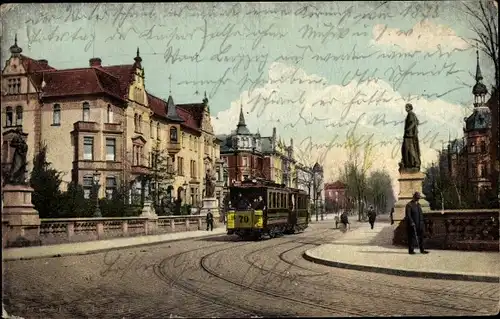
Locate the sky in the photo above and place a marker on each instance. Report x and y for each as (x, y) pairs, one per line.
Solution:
(317, 71)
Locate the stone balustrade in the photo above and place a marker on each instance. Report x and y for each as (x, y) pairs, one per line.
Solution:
(471, 229)
(64, 230)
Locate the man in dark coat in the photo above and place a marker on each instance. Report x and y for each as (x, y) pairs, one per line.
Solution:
(242, 203)
(392, 215)
(372, 215)
(210, 221)
(415, 225)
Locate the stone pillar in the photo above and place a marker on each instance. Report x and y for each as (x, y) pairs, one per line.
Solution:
(409, 183)
(19, 216)
(152, 221)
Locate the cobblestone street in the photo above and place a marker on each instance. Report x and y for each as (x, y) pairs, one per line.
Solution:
(224, 277)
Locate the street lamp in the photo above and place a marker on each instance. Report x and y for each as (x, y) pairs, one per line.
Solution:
(316, 169)
(97, 176)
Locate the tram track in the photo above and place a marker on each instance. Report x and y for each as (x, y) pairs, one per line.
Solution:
(330, 308)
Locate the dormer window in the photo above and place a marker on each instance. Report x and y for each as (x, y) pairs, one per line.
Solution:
(86, 112)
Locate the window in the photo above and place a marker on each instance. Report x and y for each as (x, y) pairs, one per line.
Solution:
(245, 177)
(88, 148)
(56, 115)
(183, 138)
(88, 182)
(19, 115)
(192, 169)
(110, 186)
(9, 116)
(180, 166)
(86, 112)
(110, 149)
(151, 129)
(157, 131)
(139, 124)
(483, 146)
(137, 155)
(14, 86)
(173, 134)
(136, 126)
(110, 114)
(244, 161)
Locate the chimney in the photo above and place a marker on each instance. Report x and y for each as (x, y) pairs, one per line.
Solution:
(291, 142)
(274, 133)
(95, 62)
(43, 62)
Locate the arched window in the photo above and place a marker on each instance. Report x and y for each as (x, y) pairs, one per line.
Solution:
(136, 126)
(9, 116)
(173, 134)
(151, 129)
(19, 115)
(139, 124)
(110, 114)
(86, 112)
(158, 131)
(56, 115)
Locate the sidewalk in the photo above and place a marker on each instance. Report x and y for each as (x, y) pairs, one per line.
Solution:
(82, 248)
(368, 249)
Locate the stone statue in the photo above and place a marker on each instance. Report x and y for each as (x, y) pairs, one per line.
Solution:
(410, 150)
(209, 184)
(17, 174)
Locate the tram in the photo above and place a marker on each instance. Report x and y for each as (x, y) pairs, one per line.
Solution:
(262, 208)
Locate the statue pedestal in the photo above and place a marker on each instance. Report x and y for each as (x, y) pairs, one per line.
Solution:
(210, 203)
(148, 210)
(20, 220)
(409, 183)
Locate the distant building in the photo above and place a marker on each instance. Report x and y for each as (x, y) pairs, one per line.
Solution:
(242, 154)
(478, 136)
(279, 162)
(335, 193)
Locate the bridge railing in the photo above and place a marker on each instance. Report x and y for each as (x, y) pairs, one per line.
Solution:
(64, 230)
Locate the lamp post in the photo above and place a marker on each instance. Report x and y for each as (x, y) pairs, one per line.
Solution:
(97, 176)
(185, 185)
(316, 169)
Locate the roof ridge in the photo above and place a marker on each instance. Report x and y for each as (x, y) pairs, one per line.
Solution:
(98, 80)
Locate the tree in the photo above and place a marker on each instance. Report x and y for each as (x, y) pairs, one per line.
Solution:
(354, 171)
(46, 181)
(379, 190)
(483, 21)
(74, 204)
(162, 174)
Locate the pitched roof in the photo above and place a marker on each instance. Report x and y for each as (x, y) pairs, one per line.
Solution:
(32, 65)
(189, 120)
(195, 109)
(335, 185)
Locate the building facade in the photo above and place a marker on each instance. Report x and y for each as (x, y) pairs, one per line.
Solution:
(335, 196)
(100, 120)
(279, 162)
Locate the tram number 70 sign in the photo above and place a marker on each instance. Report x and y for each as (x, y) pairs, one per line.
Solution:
(244, 219)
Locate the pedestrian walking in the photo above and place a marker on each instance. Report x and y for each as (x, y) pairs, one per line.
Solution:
(372, 215)
(415, 226)
(392, 215)
(210, 221)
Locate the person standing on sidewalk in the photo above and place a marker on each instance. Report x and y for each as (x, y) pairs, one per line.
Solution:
(210, 220)
(415, 225)
(372, 215)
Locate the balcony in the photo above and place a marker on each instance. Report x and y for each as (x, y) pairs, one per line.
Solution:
(97, 165)
(113, 128)
(173, 147)
(140, 170)
(81, 126)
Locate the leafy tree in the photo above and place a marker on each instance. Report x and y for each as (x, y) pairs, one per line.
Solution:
(379, 190)
(354, 171)
(74, 203)
(46, 181)
(162, 174)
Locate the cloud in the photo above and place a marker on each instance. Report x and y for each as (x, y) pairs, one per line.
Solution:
(425, 36)
(319, 116)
